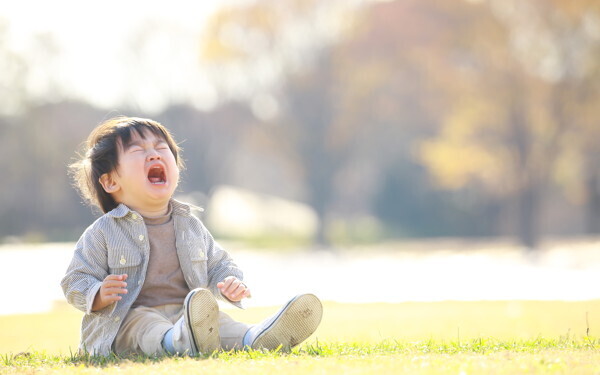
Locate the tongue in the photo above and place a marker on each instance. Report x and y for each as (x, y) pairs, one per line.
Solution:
(154, 179)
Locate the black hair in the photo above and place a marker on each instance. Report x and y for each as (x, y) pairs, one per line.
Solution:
(102, 155)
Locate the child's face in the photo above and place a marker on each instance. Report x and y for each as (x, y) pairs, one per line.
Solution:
(147, 174)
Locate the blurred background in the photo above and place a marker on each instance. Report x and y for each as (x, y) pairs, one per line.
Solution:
(404, 125)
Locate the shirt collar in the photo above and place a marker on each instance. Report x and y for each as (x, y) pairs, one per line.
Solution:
(179, 208)
(120, 211)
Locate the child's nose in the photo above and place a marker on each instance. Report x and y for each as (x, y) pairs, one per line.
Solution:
(153, 155)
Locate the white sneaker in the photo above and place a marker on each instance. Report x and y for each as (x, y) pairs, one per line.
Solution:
(197, 331)
(293, 324)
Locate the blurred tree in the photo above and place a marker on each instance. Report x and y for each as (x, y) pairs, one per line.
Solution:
(506, 125)
(441, 118)
(210, 142)
(13, 92)
(309, 113)
(38, 201)
(264, 42)
(387, 103)
(37, 138)
(251, 48)
(575, 35)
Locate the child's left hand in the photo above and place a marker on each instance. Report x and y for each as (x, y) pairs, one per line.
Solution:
(233, 289)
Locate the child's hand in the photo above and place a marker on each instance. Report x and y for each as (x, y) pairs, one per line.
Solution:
(112, 286)
(233, 289)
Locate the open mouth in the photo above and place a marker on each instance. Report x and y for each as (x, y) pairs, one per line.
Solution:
(156, 175)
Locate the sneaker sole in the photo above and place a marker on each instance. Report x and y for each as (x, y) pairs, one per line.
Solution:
(202, 315)
(296, 322)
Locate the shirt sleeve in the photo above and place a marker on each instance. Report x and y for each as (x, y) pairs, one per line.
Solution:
(86, 271)
(220, 266)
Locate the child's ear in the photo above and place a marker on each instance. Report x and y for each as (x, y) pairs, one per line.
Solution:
(108, 183)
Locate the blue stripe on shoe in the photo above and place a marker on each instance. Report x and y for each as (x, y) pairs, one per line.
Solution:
(245, 342)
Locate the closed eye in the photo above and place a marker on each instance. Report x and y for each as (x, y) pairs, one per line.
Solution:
(162, 146)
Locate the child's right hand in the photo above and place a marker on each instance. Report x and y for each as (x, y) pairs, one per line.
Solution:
(112, 286)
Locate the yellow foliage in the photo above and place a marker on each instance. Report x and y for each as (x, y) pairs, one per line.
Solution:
(462, 152)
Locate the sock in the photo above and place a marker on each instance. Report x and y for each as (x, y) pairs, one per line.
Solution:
(167, 342)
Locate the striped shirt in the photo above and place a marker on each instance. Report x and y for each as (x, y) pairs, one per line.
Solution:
(117, 243)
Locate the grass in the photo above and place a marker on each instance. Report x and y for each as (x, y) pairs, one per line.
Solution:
(428, 357)
(416, 338)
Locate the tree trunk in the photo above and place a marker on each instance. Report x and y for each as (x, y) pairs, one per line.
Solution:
(320, 188)
(321, 240)
(593, 202)
(311, 110)
(529, 203)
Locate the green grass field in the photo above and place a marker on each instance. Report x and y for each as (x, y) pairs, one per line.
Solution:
(414, 338)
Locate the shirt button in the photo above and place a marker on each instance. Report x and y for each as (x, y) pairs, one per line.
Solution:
(123, 260)
(134, 216)
(117, 318)
(139, 282)
(141, 237)
(201, 254)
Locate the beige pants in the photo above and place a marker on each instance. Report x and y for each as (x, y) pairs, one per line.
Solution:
(143, 329)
